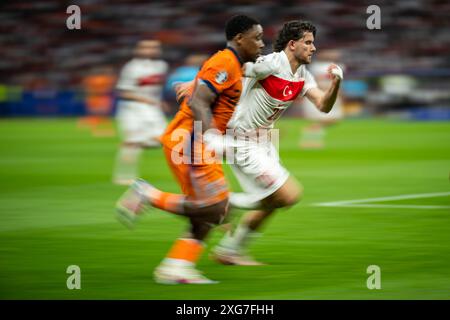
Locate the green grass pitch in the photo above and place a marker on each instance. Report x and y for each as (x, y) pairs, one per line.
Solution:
(57, 209)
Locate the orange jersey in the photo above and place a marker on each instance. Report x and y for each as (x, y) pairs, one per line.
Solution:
(222, 73)
(203, 181)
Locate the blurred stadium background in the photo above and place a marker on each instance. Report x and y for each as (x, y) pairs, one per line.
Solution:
(56, 195)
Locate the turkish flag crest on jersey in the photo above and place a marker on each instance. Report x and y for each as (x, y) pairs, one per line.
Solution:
(282, 89)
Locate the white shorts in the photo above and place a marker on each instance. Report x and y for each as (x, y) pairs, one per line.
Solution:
(140, 122)
(258, 169)
(310, 111)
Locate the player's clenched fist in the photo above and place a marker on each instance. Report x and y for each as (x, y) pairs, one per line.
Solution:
(335, 72)
(182, 89)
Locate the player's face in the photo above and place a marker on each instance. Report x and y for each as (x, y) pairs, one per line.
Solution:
(304, 48)
(252, 43)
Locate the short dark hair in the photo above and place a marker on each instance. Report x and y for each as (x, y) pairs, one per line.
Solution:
(239, 24)
(292, 30)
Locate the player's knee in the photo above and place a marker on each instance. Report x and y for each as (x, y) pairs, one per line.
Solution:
(299, 194)
(291, 198)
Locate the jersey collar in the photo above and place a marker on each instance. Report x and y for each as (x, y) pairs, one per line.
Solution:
(236, 54)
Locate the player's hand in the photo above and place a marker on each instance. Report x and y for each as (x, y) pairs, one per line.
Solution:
(336, 72)
(182, 89)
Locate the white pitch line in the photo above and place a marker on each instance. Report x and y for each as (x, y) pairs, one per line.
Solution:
(366, 203)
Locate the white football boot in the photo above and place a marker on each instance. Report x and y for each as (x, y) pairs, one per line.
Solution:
(133, 202)
(233, 257)
(173, 274)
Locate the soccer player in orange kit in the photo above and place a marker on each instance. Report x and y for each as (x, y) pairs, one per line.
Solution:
(216, 91)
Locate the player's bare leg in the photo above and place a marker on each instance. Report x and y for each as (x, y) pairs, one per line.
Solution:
(231, 249)
(179, 264)
(142, 195)
(203, 214)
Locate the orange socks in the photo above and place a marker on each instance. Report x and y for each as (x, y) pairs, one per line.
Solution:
(185, 251)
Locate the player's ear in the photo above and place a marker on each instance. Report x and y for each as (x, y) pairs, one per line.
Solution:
(239, 38)
(291, 44)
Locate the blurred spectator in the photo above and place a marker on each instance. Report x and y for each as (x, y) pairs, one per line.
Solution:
(313, 135)
(184, 73)
(414, 39)
(98, 87)
(140, 116)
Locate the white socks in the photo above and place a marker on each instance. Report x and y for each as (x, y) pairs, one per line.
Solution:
(238, 240)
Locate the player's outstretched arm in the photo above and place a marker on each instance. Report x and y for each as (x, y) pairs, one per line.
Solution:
(324, 101)
(257, 70)
(261, 69)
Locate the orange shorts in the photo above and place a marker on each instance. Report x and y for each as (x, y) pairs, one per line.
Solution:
(204, 182)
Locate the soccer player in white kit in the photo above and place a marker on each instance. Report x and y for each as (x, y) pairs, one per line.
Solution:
(273, 83)
(140, 116)
(313, 135)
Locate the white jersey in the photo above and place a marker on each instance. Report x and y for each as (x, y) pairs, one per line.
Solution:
(138, 121)
(269, 90)
(144, 77)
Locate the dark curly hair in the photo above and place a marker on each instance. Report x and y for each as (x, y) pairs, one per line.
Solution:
(292, 30)
(239, 24)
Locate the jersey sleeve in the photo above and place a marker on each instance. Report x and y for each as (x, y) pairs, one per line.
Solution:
(127, 78)
(310, 83)
(219, 75)
(263, 67)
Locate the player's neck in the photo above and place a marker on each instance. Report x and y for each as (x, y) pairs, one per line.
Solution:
(293, 62)
(232, 46)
